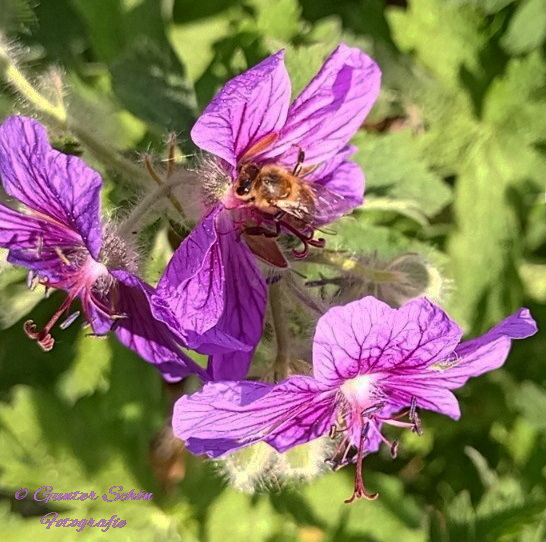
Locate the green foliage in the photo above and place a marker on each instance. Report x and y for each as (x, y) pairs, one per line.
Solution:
(454, 154)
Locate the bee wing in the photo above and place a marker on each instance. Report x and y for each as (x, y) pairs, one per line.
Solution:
(329, 206)
(316, 205)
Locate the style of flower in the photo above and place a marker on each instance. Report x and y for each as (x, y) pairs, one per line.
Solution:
(277, 168)
(372, 365)
(59, 237)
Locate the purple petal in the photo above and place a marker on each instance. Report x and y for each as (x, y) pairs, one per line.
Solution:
(33, 242)
(244, 310)
(189, 295)
(338, 193)
(248, 107)
(430, 395)
(483, 354)
(213, 295)
(145, 335)
(60, 187)
(331, 109)
(368, 336)
(225, 416)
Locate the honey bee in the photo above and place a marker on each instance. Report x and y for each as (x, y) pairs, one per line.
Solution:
(286, 199)
(275, 191)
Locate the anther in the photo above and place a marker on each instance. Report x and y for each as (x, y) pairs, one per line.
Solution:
(70, 320)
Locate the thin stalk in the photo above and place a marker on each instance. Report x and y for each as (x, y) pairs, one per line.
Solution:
(344, 263)
(59, 116)
(304, 297)
(133, 221)
(282, 332)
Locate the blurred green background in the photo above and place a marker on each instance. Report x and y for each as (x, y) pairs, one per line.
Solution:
(455, 158)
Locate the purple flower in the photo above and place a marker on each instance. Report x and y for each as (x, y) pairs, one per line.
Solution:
(278, 168)
(59, 237)
(373, 365)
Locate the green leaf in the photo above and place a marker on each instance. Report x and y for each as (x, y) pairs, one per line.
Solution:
(277, 20)
(153, 87)
(89, 370)
(531, 402)
(16, 299)
(527, 28)
(444, 37)
(394, 166)
(194, 42)
(16, 15)
(105, 26)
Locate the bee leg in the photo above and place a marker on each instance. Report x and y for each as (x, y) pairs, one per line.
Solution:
(299, 163)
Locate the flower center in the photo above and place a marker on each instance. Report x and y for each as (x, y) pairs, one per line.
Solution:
(362, 410)
(79, 276)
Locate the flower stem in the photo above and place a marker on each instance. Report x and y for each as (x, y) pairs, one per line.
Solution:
(58, 114)
(282, 333)
(21, 84)
(344, 263)
(133, 221)
(311, 302)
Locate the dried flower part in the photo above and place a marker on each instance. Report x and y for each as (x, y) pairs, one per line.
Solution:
(372, 365)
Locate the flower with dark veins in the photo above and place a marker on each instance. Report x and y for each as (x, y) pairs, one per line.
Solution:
(372, 365)
(273, 167)
(57, 234)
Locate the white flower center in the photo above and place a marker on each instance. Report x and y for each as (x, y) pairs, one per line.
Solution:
(358, 390)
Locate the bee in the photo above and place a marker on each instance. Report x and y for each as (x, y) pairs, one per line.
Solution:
(288, 200)
(277, 192)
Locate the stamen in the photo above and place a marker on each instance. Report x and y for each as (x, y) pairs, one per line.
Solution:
(32, 280)
(414, 417)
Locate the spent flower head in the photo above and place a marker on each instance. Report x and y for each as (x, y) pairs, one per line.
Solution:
(372, 365)
(282, 168)
(56, 232)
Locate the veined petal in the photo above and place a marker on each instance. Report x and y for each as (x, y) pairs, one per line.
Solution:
(225, 416)
(148, 337)
(368, 336)
(482, 354)
(62, 188)
(339, 192)
(429, 395)
(247, 108)
(332, 107)
(245, 304)
(35, 243)
(189, 296)
(23, 232)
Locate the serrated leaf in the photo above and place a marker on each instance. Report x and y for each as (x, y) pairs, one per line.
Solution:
(277, 20)
(194, 42)
(395, 167)
(527, 28)
(444, 52)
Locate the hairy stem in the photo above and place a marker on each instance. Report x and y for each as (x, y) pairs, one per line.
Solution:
(282, 333)
(344, 263)
(58, 114)
(133, 221)
(304, 295)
